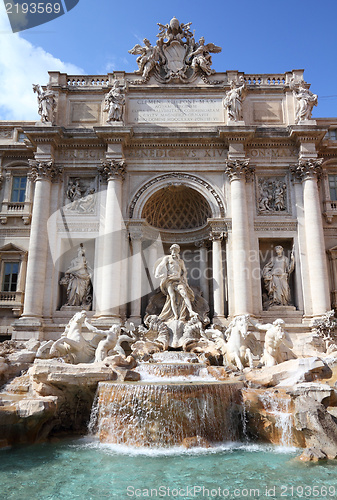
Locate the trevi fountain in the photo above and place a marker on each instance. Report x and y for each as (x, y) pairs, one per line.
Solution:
(217, 386)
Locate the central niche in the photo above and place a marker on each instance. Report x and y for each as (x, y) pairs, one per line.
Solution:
(177, 208)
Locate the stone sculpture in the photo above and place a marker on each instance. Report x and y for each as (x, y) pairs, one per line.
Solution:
(306, 100)
(147, 58)
(276, 277)
(274, 338)
(235, 349)
(201, 56)
(179, 296)
(106, 344)
(77, 279)
(47, 103)
(114, 103)
(81, 196)
(272, 194)
(72, 345)
(176, 55)
(233, 101)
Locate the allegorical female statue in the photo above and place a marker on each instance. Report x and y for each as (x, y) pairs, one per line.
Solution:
(77, 279)
(276, 277)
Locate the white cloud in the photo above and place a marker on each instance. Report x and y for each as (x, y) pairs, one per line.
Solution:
(21, 65)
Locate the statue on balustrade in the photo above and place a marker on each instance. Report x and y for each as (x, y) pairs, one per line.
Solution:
(306, 100)
(114, 103)
(179, 296)
(77, 279)
(233, 101)
(47, 103)
(276, 277)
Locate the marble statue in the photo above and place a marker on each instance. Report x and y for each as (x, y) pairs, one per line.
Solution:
(107, 343)
(147, 58)
(235, 349)
(158, 328)
(276, 277)
(77, 279)
(179, 296)
(47, 103)
(274, 338)
(306, 100)
(201, 56)
(72, 345)
(233, 101)
(114, 103)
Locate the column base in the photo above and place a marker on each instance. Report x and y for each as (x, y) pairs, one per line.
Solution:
(28, 327)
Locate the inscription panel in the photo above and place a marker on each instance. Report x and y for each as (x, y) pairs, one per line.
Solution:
(175, 110)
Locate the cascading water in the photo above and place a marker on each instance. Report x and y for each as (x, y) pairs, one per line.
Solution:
(165, 414)
(278, 405)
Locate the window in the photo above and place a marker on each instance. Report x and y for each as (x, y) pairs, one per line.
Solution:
(19, 189)
(333, 187)
(10, 277)
(331, 134)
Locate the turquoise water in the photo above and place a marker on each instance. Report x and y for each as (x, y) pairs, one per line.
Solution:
(85, 469)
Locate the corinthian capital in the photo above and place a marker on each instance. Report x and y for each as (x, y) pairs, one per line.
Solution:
(44, 170)
(112, 169)
(307, 169)
(238, 169)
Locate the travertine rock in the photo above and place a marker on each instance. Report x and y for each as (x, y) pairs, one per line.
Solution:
(290, 372)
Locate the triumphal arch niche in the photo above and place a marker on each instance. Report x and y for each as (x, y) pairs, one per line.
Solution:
(123, 166)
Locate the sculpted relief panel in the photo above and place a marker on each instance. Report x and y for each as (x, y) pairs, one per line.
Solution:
(272, 195)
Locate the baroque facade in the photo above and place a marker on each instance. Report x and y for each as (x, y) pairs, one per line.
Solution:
(228, 165)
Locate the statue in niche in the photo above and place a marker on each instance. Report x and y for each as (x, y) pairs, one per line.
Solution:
(272, 195)
(114, 103)
(77, 280)
(306, 100)
(276, 277)
(274, 338)
(47, 103)
(201, 57)
(179, 296)
(233, 100)
(148, 57)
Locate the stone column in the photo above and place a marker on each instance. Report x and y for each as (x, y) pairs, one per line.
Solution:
(309, 170)
(42, 173)
(238, 172)
(136, 280)
(113, 172)
(204, 283)
(216, 236)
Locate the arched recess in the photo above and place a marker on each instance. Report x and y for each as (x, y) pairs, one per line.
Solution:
(206, 190)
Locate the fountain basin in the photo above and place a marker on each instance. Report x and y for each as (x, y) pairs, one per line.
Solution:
(159, 414)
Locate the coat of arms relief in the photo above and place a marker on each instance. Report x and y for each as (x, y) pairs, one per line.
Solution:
(176, 57)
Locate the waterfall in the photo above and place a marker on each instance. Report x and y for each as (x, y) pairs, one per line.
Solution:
(164, 414)
(278, 405)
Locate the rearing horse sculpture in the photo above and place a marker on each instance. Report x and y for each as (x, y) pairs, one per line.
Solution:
(235, 349)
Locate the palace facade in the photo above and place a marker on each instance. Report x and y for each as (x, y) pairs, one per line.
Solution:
(228, 165)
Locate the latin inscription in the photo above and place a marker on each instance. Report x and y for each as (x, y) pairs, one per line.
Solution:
(175, 110)
(175, 153)
(80, 154)
(272, 153)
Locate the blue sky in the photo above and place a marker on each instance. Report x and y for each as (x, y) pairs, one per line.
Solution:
(94, 38)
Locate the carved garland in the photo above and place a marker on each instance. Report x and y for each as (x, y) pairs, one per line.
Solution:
(176, 176)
